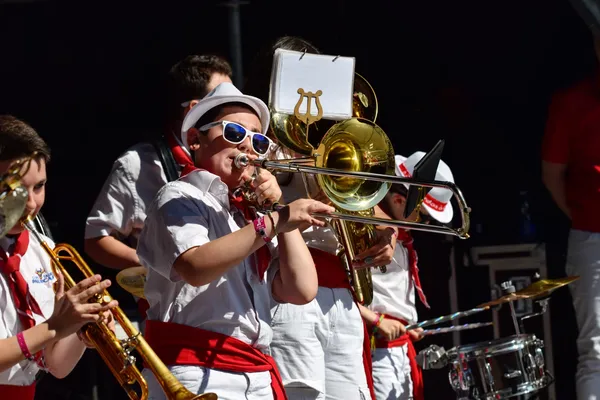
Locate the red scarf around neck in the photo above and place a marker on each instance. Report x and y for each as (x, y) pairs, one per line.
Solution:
(408, 242)
(10, 267)
(181, 157)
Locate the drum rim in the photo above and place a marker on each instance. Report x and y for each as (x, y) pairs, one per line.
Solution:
(495, 346)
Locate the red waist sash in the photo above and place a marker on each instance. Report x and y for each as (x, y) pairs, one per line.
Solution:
(415, 371)
(330, 272)
(177, 344)
(17, 392)
(332, 275)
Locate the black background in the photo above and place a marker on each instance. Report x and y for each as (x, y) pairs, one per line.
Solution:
(88, 76)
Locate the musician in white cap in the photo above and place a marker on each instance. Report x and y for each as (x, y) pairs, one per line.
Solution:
(212, 262)
(395, 371)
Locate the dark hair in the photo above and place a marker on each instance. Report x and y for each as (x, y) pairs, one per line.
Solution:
(18, 140)
(212, 114)
(259, 75)
(189, 78)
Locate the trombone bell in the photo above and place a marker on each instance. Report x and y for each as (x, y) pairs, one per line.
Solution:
(359, 146)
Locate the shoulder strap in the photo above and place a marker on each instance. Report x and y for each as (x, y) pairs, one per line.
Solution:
(166, 158)
(42, 226)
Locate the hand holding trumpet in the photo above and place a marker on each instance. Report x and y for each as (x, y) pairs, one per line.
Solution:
(72, 308)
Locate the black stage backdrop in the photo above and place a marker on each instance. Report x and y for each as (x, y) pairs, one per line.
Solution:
(88, 77)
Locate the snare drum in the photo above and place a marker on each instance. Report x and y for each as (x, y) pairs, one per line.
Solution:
(498, 369)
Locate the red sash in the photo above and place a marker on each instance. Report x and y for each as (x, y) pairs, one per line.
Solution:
(17, 392)
(177, 344)
(332, 275)
(330, 272)
(416, 374)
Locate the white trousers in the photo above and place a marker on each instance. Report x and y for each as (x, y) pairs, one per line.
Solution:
(226, 385)
(583, 259)
(318, 348)
(391, 374)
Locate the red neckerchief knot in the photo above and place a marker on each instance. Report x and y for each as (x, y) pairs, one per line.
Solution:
(180, 156)
(10, 267)
(408, 242)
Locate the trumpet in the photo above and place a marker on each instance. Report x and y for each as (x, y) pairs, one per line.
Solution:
(116, 353)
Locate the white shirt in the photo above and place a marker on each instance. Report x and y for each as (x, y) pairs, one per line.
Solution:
(321, 238)
(191, 212)
(37, 271)
(394, 290)
(120, 208)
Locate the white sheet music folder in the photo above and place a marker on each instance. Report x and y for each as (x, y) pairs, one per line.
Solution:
(333, 75)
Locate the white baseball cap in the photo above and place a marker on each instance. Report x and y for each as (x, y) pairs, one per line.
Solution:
(225, 93)
(437, 201)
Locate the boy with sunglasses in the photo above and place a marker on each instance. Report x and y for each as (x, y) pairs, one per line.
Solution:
(212, 262)
(395, 371)
(117, 216)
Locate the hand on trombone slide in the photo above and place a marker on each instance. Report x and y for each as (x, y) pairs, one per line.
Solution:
(381, 253)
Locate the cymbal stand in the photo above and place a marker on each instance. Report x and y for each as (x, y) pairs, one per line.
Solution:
(507, 288)
(543, 304)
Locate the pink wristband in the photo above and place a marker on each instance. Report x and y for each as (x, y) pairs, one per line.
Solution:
(23, 346)
(260, 228)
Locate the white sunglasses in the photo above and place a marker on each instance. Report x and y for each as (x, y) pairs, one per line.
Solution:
(235, 134)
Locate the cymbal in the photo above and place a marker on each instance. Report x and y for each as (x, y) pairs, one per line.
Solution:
(133, 280)
(500, 300)
(544, 287)
(541, 288)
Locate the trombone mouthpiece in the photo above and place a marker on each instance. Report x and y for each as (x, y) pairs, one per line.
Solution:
(241, 161)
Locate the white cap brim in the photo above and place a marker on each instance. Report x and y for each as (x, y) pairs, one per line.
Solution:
(441, 216)
(208, 104)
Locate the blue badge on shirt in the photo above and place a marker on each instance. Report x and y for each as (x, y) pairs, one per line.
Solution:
(41, 276)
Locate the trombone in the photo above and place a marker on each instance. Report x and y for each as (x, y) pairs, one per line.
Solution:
(296, 165)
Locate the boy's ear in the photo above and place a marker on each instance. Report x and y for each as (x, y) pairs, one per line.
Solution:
(193, 139)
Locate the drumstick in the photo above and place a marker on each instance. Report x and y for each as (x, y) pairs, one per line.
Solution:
(455, 328)
(446, 318)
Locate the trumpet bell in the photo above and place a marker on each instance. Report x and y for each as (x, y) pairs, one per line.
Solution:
(12, 207)
(355, 145)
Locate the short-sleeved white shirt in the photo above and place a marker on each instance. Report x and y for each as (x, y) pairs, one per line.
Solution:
(36, 269)
(394, 290)
(120, 208)
(190, 212)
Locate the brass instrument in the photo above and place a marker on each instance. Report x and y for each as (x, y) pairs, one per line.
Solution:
(296, 135)
(117, 353)
(13, 196)
(354, 166)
